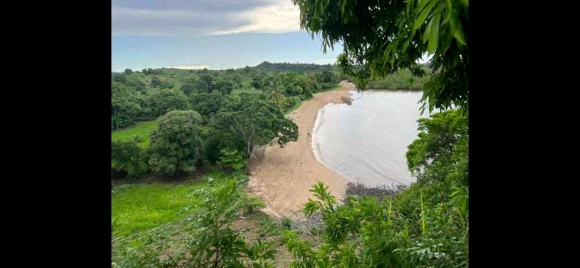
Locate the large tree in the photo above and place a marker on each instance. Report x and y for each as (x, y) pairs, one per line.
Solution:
(255, 120)
(206, 104)
(223, 86)
(124, 106)
(176, 143)
(380, 37)
(165, 100)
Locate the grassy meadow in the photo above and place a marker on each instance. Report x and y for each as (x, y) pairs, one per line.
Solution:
(141, 129)
(140, 207)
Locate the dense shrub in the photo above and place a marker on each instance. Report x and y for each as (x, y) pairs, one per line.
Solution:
(128, 158)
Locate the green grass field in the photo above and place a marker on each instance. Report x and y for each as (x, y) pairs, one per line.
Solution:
(140, 207)
(156, 219)
(141, 129)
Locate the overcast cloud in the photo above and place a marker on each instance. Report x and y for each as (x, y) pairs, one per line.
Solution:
(203, 17)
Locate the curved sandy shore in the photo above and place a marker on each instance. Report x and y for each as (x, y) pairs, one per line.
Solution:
(281, 177)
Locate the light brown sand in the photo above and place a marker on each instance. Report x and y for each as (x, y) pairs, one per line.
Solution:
(281, 177)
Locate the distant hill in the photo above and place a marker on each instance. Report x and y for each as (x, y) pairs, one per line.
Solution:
(292, 67)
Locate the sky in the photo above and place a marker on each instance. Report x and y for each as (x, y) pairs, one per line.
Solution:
(213, 34)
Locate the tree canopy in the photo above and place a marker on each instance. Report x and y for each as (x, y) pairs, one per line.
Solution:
(255, 120)
(381, 37)
(176, 144)
(165, 100)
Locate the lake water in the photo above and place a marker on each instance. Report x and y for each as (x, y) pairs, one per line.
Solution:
(366, 142)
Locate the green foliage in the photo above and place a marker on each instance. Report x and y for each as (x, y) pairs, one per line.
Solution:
(166, 100)
(268, 227)
(141, 130)
(136, 81)
(276, 98)
(425, 226)
(441, 151)
(124, 106)
(291, 104)
(119, 77)
(146, 95)
(232, 159)
(223, 86)
(286, 222)
(382, 37)
(250, 204)
(208, 79)
(200, 86)
(152, 223)
(400, 80)
(367, 233)
(292, 67)
(207, 104)
(215, 243)
(140, 207)
(129, 157)
(218, 140)
(176, 143)
(256, 121)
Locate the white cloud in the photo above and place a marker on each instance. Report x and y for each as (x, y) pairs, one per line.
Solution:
(273, 16)
(278, 18)
(197, 67)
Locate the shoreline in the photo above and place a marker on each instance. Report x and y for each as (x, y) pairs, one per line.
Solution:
(282, 177)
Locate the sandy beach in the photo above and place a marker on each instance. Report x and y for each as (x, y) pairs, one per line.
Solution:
(282, 177)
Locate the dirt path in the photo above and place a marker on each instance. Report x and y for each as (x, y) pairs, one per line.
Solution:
(281, 177)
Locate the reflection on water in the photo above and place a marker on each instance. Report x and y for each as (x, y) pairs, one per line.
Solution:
(366, 142)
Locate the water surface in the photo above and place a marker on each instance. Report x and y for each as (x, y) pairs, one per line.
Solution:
(366, 142)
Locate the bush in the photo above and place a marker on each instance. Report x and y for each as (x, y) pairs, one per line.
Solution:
(290, 102)
(127, 157)
(232, 159)
(217, 141)
(287, 223)
(176, 143)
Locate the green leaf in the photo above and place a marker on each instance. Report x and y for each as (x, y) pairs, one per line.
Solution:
(457, 30)
(421, 18)
(449, 10)
(459, 37)
(427, 32)
(434, 34)
(422, 4)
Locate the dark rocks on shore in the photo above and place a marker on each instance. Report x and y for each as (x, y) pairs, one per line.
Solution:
(306, 223)
(380, 192)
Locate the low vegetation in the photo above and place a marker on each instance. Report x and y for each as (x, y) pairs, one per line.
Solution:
(141, 129)
(208, 222)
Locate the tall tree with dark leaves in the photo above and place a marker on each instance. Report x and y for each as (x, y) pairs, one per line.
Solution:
(176, 144)
(254, 119)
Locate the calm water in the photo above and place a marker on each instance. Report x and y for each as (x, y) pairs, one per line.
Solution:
(366, 142)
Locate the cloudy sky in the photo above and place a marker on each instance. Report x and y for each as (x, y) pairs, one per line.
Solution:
(216, 34)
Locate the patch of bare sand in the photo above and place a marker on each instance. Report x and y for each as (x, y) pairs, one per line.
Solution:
(282, 177)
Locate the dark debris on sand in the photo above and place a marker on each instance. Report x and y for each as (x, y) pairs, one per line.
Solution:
(379, 192)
